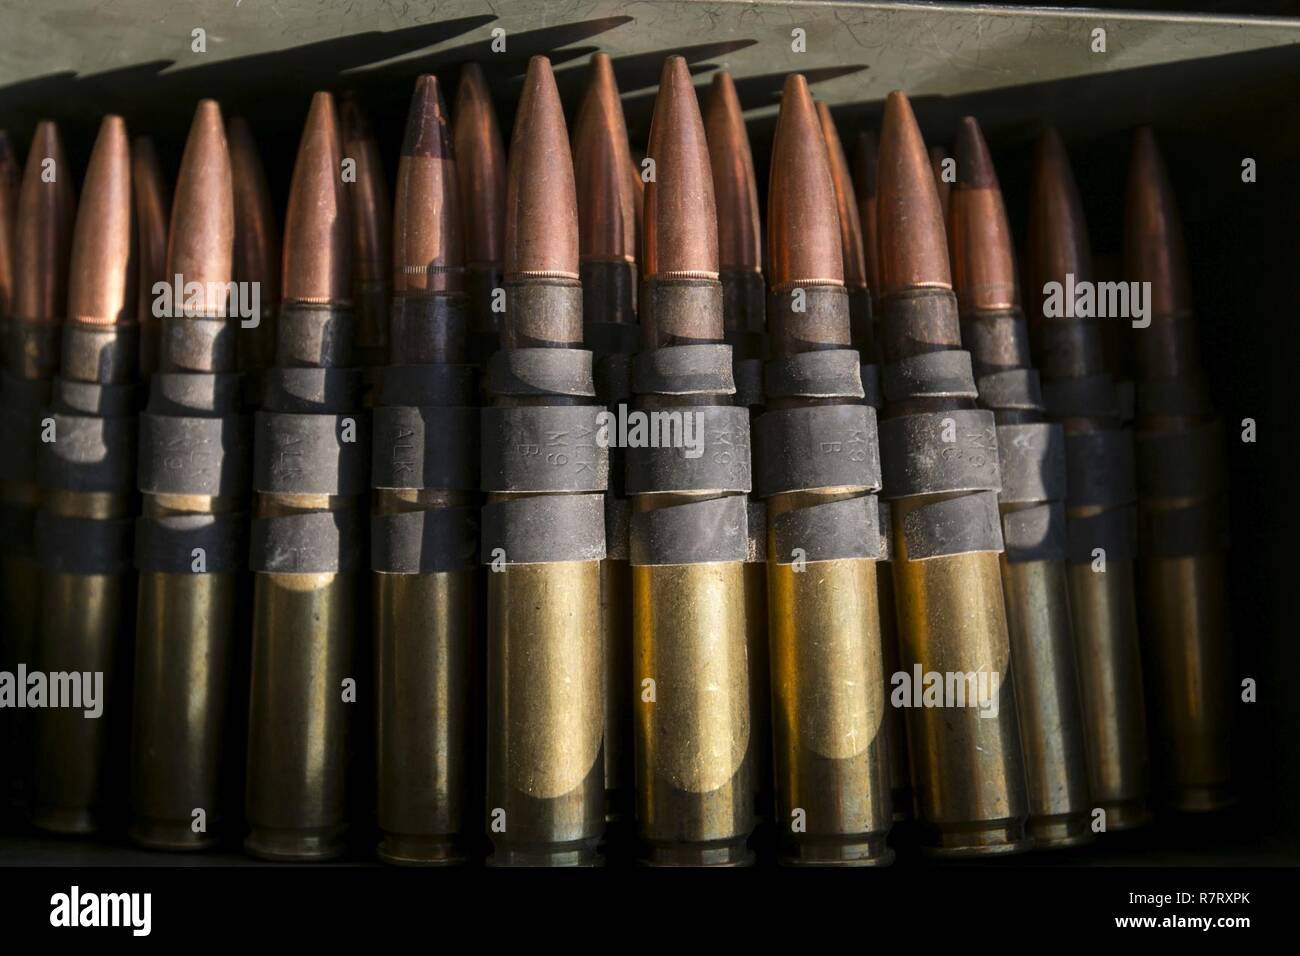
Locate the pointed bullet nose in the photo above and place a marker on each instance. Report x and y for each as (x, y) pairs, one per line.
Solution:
(601, 158)
(735, 186)
(541, 237)
(201, 241)
(481, 170)
(101, 286)
(317, 226)
(428, 242)
(43, 230)
(846, 201)
(681, 226)
(983, 256)
(1153, 234)
(1058, 233)
(913, 247)
(257, 238)
(803, 227)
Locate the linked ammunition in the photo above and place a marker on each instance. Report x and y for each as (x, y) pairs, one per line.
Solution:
(191, 543)
(688, 536)
(545, 473)
(257, 257)
(482, 173)
(1182, 539)
(425, 525)
(940, 462)
(372, 233)
(87, 475)
(744, 322)
(607, 222)
(310, 467)
(151, 219)
(1100, 492)
(1031, 454)
(818, 469)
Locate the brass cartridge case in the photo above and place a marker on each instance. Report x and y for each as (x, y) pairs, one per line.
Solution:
(829, 736)
(423, 683)
(691, 678)
(616, 628)
(546, 778)
(1110, 685)
(967, 767)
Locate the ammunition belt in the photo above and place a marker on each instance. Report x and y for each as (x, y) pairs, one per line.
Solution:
(1100, 469)
(1113, 531)
(618, 518)
(305, 454)
(872, 393)
(983, 332)
(311, 391)
(91, 452)
(424, 542)
(1091, 397)
(193, 455)
(817, 446)
(707, 531)
(309, 543)
(101, 353)
(547, 451)
(1187, 463)
(608, 289)
(744, 297)
(756, 518)
(420, 385)
(918, 461)
(1013, 389)
(748, 376)
(827, 373)
(828, 531)
(426, 446)
(930, 375)
(822, 316)
(314, 336)
(197, 344)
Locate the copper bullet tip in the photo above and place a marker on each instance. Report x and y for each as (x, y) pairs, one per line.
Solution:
(101, 281)
(481, 170)
(428, 244)
(317, 226)
(1153, 234)
(1058, 233)
(43, 230)
(735, 186)
(371, 211)
(200, 246)
(681, 226)
(541, 235)
(846, 202)
(912, 244)
(601, 159)
(983, 256)
(803, 224)
(865, 175)
(257, 240)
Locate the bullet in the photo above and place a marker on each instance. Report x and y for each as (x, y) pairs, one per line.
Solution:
(941, 477)
(744, 323)
(818, 467)
(42, 231)
(862, 339)
(372, 233)
(10, 175)
(151, 219)
(1100, 494)
(310, 467)
(607, 230)
(545, 474)
(1182, 561)
(689, 530)
(87, 474)
(257, 256)
(1032, 457)
(191, 540)
(482, 172)
(425, 525)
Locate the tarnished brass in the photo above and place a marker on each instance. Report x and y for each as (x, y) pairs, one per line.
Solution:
(546, 779)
